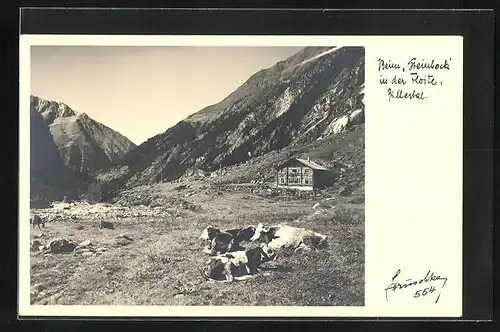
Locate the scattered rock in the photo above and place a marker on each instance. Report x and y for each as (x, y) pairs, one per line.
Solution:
(40, 203)
(124, 236)
(35, 244)
(315, 206)
(101, 249)
(59, 246)
(122, 242)
(85, 243)
(201, 173)
(344, 191)
(106, 224)
(39, 236)
(87, 254)
(181, 187)
(82, 250)
(38, 287)
(357, 200)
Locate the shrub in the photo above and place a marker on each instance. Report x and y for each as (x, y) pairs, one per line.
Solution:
(99, 192)
(40, 203)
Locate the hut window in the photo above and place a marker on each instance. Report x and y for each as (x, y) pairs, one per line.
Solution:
(306, 181)
(306, 171)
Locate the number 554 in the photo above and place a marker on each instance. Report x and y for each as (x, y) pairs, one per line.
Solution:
(424, 292)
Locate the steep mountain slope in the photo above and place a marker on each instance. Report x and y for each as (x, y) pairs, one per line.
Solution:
(84, 144)
(310, 96)
(50, 178)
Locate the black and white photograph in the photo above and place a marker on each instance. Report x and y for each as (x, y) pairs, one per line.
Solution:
(197, 175)
(230, 171)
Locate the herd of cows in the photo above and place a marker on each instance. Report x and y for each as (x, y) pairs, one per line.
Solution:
(230, 261)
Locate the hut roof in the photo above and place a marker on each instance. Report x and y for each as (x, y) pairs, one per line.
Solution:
(311, 164)
(308, 163)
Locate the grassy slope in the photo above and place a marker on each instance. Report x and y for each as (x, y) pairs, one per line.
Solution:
(347, 148)
(162, 265)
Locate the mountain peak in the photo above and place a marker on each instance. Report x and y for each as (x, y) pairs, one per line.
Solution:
(83, 143)
(50, 110)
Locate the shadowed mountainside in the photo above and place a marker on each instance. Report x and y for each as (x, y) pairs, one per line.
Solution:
(50, 178)
(84, 144)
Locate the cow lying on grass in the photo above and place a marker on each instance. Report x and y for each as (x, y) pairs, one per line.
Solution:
(238, 265)
(221, 242)
(284, 236)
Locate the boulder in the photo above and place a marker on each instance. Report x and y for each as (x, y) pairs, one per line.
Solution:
(125, 236)
(181, 187)
(344, 191)
(85, 243)
(38, 287)
(106, 224)
(59, 246)
(35, 244)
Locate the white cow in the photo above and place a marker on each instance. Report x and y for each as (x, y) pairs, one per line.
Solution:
(285, 236)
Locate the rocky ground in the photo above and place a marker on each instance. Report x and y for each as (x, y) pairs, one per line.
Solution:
(153, 255)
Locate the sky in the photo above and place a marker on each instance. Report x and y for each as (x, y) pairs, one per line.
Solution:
(142, 91)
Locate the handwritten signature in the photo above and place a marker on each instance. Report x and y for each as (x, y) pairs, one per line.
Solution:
(410, 283)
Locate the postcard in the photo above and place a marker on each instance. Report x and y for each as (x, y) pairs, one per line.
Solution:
(240, 176)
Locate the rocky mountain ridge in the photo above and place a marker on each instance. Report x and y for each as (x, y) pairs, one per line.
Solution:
(84, 144)
(309, 97)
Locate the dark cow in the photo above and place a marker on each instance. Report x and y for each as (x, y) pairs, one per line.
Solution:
(221, 242)
(242, 234)
(237, 265)
(37, 220)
